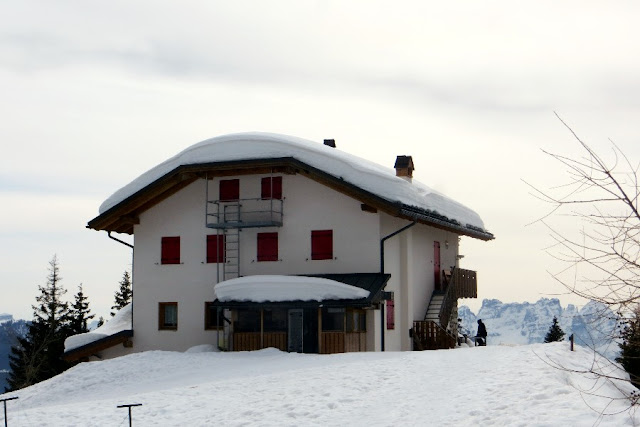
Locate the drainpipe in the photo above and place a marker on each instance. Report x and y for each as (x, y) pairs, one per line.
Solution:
(384, 239)
(132, 249)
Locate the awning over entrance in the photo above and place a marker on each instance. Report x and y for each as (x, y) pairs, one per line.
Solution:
(305, 291)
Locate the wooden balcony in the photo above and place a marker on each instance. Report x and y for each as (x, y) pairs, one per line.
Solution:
(465, 282)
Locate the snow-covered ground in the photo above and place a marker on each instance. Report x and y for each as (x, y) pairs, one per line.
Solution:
(499, 385)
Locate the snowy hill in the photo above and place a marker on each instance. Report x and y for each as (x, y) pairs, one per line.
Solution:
(494, 385)
(526, 323)
(4, 317)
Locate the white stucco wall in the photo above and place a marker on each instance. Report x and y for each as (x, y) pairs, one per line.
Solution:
(307, 206)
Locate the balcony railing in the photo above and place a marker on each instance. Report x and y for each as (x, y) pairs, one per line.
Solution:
(244, 213)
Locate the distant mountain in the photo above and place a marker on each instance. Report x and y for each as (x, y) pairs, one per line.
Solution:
(593, 325)
(10, 330)
(5, 317)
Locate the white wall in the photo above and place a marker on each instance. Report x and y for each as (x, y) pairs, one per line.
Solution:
(307, 206)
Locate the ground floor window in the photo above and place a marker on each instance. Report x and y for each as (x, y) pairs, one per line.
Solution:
(356, 320)
(168, 315)
(332, 319)
(275, 320)
(213, 316)
(247, 320)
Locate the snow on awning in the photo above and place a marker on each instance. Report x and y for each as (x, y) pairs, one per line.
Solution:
(119, 325)
(276, 288)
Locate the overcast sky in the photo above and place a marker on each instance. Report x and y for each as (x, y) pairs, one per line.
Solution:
(92, 94)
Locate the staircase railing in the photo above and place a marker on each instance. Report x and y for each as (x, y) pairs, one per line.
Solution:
(462, 284)
(428, 335)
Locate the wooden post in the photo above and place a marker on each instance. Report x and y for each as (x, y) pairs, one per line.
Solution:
(4, 402)
(262, 328)
(571, 341)
(319, 330)
(129, 406)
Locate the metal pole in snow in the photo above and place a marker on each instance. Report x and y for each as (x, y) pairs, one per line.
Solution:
(4, 402)
(129, 406)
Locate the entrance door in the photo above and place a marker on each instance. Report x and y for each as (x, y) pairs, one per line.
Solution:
(295, 331)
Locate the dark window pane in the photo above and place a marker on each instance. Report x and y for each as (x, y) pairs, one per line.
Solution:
(247, 321)
(275, 320)
(332, 319)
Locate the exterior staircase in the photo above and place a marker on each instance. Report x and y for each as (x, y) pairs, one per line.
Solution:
(433, 332)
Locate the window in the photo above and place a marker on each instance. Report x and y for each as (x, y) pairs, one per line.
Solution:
(168, 315)
(229, 190)
(213, 318)
(275, 319)
(332, 319)
(248, 320)
(272, 187)
(267, 246)
(322, 244)
(215, 248)
(356, 320)
(170, 252)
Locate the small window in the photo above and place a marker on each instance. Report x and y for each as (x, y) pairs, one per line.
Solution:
(272, 188)
(170, 252)
(267, 246)
(215, 248)
(322, 244)
(229, 190)
(168, 315)
(333, 319)
(247, 320)
(213, 317)
(356, 320)
(275, 319)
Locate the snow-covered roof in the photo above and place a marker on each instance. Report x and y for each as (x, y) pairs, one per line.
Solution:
(276, 288)
(120, 322)
(358, 172)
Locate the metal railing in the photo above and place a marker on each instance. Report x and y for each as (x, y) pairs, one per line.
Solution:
(244, 213)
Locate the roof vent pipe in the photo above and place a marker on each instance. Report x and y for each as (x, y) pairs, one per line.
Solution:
(404, 167)
(330, 143)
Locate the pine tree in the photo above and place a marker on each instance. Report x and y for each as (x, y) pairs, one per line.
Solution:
(37, 356)
(124, 294)
(79, 313)
(555, 332)
(630, 348)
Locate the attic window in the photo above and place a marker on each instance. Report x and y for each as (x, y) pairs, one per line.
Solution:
(272, 188)
(229, 190)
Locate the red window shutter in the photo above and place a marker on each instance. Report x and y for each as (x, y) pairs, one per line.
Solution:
(229, 190)
(267, 246)
(322, 244)
(272, 187)
(215, 248)
(170, 250)
(391, 315)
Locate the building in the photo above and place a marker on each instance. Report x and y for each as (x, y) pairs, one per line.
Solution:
(259, 240)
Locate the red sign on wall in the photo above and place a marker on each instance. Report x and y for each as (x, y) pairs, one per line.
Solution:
(391, 318)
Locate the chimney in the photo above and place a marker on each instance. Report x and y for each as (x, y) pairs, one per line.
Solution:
(330, 143)
(404, 167)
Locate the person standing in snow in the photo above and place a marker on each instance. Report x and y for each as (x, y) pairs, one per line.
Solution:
(481, 336)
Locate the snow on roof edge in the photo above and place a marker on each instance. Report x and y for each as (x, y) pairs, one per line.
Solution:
(354, 170)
